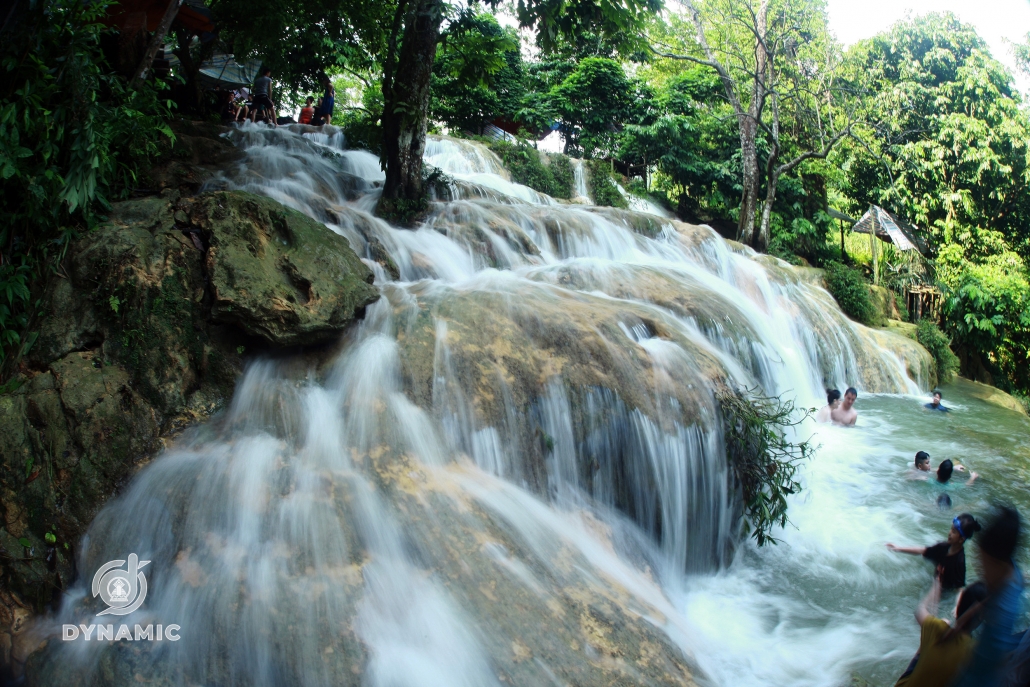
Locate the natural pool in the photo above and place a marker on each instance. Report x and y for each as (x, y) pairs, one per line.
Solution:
(830, 602)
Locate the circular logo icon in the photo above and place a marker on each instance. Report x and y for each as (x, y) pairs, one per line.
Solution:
(122, 589)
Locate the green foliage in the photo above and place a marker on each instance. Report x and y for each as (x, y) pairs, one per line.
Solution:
(299, 41)
(602, 185)
(850, 291)
(763, 457)
(800, 237)
(987, 308)
(693, 142)
(950, 151)
(899, 303)
(72, 138)
(594, 102)
(477, 75)
(930, 337)
(615, 26)
(526, 167)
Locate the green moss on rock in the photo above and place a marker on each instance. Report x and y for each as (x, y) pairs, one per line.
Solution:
(143, 335)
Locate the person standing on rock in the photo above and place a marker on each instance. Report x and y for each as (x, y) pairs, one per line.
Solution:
(263, 97)
(324, 112)
(846, 414)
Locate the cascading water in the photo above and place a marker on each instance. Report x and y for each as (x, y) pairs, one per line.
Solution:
(524, 425)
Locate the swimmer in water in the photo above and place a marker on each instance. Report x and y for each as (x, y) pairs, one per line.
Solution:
(832, 402)
(846, 414)
(944, 470)
(948, 555)
(936, 404)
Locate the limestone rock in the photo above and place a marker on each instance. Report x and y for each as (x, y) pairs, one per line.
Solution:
(276, 273)
(146, 327)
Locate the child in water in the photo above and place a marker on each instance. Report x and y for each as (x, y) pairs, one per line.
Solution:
(832, 401)
(950, 554)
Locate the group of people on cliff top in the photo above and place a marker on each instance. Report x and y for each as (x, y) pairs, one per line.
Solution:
(949, 655)
(257, 104)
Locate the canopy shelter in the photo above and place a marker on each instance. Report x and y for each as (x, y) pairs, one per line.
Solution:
(880, 224)
(889, 228)
(222, 70)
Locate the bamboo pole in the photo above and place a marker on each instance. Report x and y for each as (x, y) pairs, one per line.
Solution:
(872, 246)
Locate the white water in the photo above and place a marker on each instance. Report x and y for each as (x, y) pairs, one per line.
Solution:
(317, 505)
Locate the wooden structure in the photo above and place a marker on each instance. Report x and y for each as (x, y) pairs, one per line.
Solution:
(923, 301)
(842, 218)
(880, 224)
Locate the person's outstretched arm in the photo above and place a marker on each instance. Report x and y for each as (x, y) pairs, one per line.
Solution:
(913, 550)
(928, 606)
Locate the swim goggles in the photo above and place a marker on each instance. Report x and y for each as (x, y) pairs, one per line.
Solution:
(958, 526)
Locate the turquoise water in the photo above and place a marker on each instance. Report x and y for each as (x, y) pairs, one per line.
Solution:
(830, 603)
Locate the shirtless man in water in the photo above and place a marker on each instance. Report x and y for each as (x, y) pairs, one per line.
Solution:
(846, 414)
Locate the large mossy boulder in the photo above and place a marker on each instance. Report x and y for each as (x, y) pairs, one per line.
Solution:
(275, 273)
(143, 333)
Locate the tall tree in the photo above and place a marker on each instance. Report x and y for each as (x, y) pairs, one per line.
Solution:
(299, 41)
(951, 153)
(778, 67)
(594, 102)
(478, 75)
(408, 67)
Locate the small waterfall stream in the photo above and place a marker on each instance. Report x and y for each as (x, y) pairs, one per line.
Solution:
(527, 417)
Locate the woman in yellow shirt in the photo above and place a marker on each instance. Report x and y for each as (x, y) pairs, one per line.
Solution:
(938, 662)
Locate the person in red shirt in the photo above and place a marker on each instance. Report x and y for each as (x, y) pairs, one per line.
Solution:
(308, 111)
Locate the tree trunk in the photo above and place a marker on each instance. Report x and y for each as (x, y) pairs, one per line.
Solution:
(749, 195)
(156, 42)
(406, 112)
(762, 239)
(748, 135)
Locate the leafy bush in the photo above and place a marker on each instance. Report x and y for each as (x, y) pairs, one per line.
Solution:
(930, 337)
(72, 137)
(764, 460)
(526, 167)
(602, 186)
(850, 291)
(564, 175)
(902, 306)
(987, 309)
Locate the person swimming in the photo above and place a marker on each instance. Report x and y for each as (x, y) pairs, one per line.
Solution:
(846, 414)
(935, 404)
(949, 555)
(832, 401)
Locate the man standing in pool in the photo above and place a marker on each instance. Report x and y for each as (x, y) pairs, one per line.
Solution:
(846, 414)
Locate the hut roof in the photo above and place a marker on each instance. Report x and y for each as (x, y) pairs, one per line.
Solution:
(887, 227)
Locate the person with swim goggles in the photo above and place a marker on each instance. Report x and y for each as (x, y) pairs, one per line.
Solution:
(949, 555)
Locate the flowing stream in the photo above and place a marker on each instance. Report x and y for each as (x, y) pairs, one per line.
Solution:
(526, 424)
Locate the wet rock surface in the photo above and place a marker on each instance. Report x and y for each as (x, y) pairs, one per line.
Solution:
(144, 333)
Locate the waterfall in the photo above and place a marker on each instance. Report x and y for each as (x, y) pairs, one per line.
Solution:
(579, 172)
(525, 420)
